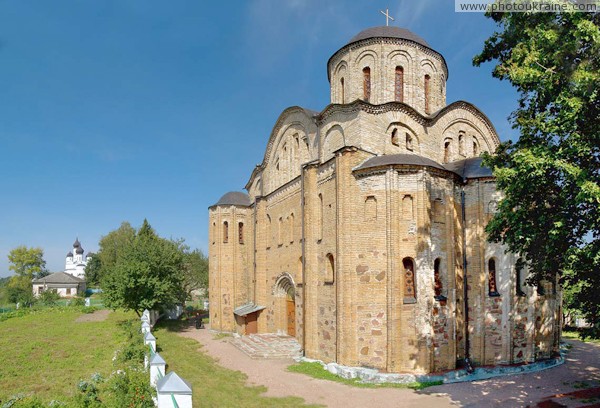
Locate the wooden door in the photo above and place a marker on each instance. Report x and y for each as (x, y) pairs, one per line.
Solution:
(291, 318)
(251, 324)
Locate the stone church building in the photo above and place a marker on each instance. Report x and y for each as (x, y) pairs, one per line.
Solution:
(362, 232)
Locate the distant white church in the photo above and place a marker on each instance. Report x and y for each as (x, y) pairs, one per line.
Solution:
(75, 264)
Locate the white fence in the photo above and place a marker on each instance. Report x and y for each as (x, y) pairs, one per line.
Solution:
(172, 390)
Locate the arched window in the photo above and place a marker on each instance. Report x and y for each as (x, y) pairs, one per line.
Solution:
(438, 285)
(426, 87)
(370, 208)
(366, 84)
(291, 227)
(241, 232)
(399, 85)
(342, 91)
(330, 273)
(225, 232)
(409, 142)
(461, 143)
(407, 207)
(395, 141)
(279, 231)
(447, 147)
(492, 288)
(320, 224)
(410, 293)
(214, 232)
(475, 147)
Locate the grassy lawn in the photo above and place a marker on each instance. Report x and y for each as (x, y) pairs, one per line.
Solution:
(47, 352)
(574, 335)
(316, 370)
(213, 385)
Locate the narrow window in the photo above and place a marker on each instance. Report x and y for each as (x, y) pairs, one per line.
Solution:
(475, 147)
(407, 207)
(214, 232)
(241, 232)
(269, 237)
(399, 85)
(461, 143)
(370, 208)
(446, 151)
(493, 290)
(427, 78)
(366, 84)
(438, 211)
(291, 228)
(330, 276)
(320, 224)
(395, 141)
(437, 281)
(409, 142)
(279, 232)
(225, 232)
(409, 280)
(342, 91)
(518, 278)
(300, 266)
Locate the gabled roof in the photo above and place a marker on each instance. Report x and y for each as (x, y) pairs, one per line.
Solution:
(174, 384)
(59, 277)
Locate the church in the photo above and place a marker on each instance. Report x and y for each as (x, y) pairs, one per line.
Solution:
(362, 232)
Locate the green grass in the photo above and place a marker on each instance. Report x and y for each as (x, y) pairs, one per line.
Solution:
(213, 385)
(316, 370)
(46, 352)
(574, 335)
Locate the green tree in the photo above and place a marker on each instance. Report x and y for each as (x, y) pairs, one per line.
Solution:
(147, 273)
(110, 248)
(195, 275)
(551, 175)
(93, 271)
(20, 290)
(27, 262)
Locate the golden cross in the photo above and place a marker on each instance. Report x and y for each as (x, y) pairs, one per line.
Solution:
(387, 16)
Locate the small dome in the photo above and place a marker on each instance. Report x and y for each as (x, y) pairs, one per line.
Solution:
(76, 244)
(388, 32)
(89, 255)
(79, 251)
(235, 198)
(69, 254)
(399, 159)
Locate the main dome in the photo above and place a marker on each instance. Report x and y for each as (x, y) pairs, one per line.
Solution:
(388, 32)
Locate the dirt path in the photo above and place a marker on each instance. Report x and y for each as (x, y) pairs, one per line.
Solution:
(281, 383)
(97, 316)
(556, 387)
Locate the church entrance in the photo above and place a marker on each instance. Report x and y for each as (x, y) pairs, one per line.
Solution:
(286, 294)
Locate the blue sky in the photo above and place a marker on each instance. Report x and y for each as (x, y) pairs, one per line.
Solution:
(120, 110)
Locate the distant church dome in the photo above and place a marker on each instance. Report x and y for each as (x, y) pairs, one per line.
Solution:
(388, 32)
(69, 254)
(79, 251)
(76, 244)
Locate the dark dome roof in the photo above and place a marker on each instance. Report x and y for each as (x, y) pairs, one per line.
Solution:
(79, 250)
(388, 32)
(76, 244)
(235, 198)
(402, 158)
(470, 168)
(69, 254)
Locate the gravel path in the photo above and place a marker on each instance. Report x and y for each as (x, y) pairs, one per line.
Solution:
(546, 388)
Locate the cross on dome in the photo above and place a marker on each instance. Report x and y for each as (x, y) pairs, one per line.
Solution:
(387, 16)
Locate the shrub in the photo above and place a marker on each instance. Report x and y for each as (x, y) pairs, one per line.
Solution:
(49, 298)
(130, 388)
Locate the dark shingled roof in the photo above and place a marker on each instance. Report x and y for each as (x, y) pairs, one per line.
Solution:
(388, 32)
(470, 168)
(59, 277)
(235, 198)
(402, 158)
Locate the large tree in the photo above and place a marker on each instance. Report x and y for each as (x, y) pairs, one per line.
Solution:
(110, 247)
(195, 275)
(146, 274)
(550, 176)
(27, 262)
